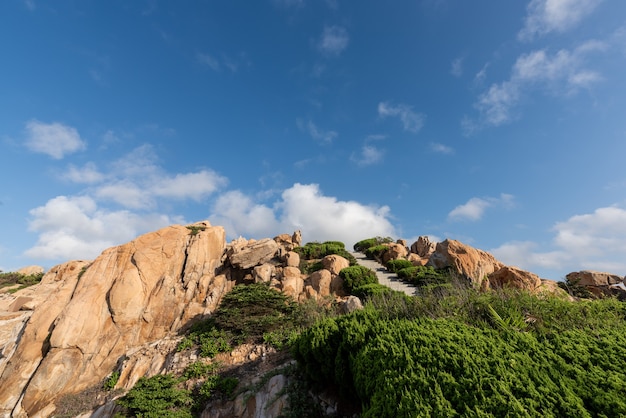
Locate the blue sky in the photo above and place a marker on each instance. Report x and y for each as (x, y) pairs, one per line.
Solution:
(500, 124)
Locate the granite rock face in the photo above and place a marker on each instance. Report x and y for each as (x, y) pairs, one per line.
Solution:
(130, 295)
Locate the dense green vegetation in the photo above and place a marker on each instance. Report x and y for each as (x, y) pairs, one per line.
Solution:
(363, 245)
(424, 276)
(457, 352)
(396, 265)
(14, 278)
(376, 252)
(357, 276)
(316, 251)
(248, 313)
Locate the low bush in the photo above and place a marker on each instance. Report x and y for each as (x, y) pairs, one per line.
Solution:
(14, 278)
(357, 276)
(316, 251)
(396, 265)
(564, 363)
(376, 252)
(158, 396)
(424, 276)
(363, 245)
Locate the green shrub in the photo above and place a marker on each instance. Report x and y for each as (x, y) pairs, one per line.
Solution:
(195, 229)
(14, 278)
(396, 265)
(200, 369)
(424, 367)
(158, 396)
(363, 245)
(357, 276)
(249, 311)
(111, 381)
(376, 252)
(368, 290)
(316, 251)
(424, 276)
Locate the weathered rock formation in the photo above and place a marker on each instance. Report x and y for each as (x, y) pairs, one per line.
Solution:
(139, 292)
(470, 262)
(598, 284)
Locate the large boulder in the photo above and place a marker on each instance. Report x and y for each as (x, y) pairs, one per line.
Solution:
(131, 295)
(593, 278)
(335, 263)
(321, 282)
(394, 251)
(470, 262)
(253, 254)
(423, 247)
(514, 277)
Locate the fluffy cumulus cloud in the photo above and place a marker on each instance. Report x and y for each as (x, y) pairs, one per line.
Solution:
(53, 139)
(334, 40)
(546, 16)
(411, 121)
(74, 228)
(593, 241)
(563, 72)
(119, 202)
(474, 209)
(303, 207)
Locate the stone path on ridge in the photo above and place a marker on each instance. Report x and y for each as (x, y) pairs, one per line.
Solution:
(390, 280)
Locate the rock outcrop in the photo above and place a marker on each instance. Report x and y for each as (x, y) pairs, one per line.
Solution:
(130, 295)
(513, 277)
(593, 278)
(470, 262)
(423, 247)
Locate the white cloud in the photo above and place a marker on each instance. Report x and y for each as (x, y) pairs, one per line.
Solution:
(456, 68)
(475, 208)
(125, 193)
(30, 4)
(496, 103)
(593, 241)
(546, 16)
(480, 76)
(368, 155)
(75, 228)
(334, 40)
(315, 132)
(441, 149)
(194, 186)
(87, 174)
(562, 72)
(53, 139)
(301, 207)
(411, 121)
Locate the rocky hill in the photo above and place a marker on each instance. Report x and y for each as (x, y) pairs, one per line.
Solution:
(127, 310)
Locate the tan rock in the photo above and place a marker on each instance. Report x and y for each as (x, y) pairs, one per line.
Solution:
(321, 281)
(416, 260)
(335, 263)
(263, 273)
(423, 247)
(394, 252)
(254, 254)
(470, 262)
(132, 294)
(593, 278)
(292, 283)
(296, 238)
(11, 327)
(351, 304)
(514, 277)
(292, 259)
(33, 344)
